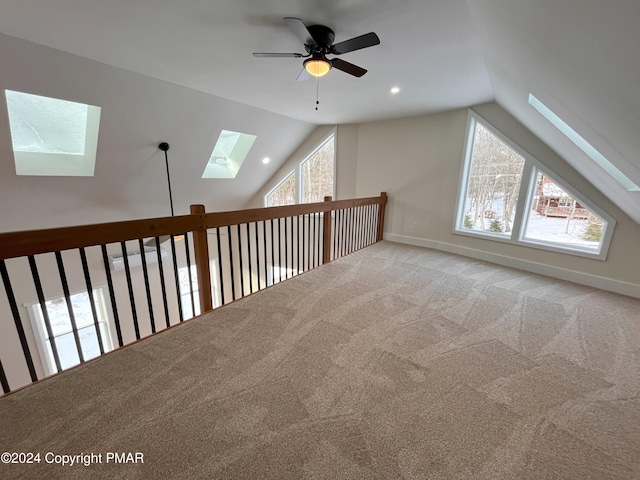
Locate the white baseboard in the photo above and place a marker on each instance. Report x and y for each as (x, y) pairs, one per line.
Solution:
(609, 284)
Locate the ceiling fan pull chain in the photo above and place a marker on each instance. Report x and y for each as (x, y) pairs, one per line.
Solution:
(317, 90)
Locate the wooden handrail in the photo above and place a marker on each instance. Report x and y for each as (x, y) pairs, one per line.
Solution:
(221, 219)
(33, 242)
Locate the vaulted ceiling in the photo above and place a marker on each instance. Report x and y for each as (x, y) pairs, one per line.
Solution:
(578, 56)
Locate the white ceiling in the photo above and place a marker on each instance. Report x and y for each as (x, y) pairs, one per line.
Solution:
(207, 45)
(580, 57)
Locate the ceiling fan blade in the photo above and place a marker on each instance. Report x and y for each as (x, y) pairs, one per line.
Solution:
(347, 67)
(300, 30)
(278, 55)
(363, 41)
(304, 75)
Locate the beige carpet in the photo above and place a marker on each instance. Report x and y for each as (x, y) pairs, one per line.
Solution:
(393, 362)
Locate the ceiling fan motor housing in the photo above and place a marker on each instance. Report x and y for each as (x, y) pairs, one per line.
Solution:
(323, 37)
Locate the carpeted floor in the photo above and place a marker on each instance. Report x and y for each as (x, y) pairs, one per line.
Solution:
(393, 362)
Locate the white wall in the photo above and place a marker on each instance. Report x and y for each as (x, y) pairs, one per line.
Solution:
(345, 173)
(138, 113)
(417, 161)
(130, 181)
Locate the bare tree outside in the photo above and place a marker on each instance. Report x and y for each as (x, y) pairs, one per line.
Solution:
(493, 185)
(316, 176)
(555, 218)
(284, 194)
(317, 173)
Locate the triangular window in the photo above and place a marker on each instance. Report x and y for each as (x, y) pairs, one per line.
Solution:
(508, 196)
(283, 194)
(558, 218)
(317, 173)
(493, 184)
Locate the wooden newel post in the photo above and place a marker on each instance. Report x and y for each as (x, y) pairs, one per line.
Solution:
(201, 249)
(383, 197)
(326, 234)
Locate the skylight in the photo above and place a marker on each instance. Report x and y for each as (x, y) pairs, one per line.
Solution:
(585, 146)
(230, 151)
(52, 137)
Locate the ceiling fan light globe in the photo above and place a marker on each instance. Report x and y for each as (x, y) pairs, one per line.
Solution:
(317, 67)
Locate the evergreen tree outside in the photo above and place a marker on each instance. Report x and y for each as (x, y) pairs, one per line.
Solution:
(495, 173)
(467, 223)
(495, 226)
(593, 230)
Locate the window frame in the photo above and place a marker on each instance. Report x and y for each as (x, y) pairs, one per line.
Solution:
(525, 198)
(292, 173)
(297, 170)
(299, 192)
(185, 297)
(607, 232)
(54, 164)
(233, 162)
(40, 333)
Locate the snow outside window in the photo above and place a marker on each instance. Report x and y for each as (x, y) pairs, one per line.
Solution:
(493, 184)
(185, 290)
(62, 329)
(555, 217)
(508, 196)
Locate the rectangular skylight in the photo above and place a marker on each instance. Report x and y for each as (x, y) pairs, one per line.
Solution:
(52, 137)
(228, 154)
(585, 146)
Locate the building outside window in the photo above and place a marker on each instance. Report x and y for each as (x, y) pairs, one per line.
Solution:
(508, 196)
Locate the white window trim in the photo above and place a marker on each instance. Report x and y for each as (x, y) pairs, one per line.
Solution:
(280, 183)
(605, 241)
(330, 136)
(40, 333)
(297, 171)
(215, 297)
(527, 187)
(62, 164)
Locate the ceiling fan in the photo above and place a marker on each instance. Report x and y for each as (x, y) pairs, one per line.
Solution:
(318, 42)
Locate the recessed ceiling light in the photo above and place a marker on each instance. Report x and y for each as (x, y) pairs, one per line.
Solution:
(266, 160)
(395, 90)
